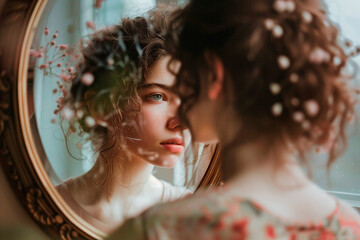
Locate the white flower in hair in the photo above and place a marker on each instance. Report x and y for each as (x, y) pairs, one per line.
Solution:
(269, 24)
(306, 125)
(319, 55)
(67, 113)
(298, 116)
(79, 114)
(284, 62)
(277, 109)
(277, 31)
(294, 78)
(87, 79)
(282, 6)
(90, 121)
(275, 88)
(311, 107)
(307, 17)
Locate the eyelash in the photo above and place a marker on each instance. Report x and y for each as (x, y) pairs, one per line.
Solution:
(150, 97)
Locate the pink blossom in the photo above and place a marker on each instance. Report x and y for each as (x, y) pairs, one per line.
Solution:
(60, 100)
(71, 69)
(33, 53)
(50, 62)
(43, 66)
(58, 64)
(39, 55)
(63, 46)
(64, 92)
(98, 3)
(63, 76)
(52, 43)
(87, 79)
(46, 32)
(91, 25)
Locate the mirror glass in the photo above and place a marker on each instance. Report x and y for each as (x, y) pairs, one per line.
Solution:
(343, 178)
(102, 114)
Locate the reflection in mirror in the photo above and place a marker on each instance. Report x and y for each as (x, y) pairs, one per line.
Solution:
(103, 113)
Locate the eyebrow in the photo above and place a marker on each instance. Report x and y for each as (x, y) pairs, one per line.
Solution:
(151, 85)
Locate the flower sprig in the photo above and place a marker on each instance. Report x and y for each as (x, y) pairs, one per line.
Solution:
(56, 60)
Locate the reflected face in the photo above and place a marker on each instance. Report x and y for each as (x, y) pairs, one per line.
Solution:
(158, 139)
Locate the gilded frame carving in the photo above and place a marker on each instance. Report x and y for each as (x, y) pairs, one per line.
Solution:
(18, 154)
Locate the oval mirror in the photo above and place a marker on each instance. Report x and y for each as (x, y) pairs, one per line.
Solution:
(98, 139)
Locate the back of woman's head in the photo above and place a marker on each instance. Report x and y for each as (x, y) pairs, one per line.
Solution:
(283, 68)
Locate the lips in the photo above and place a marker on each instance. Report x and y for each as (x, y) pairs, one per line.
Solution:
(175, 145)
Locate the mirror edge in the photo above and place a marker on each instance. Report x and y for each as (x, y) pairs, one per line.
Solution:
(18, 19)
(17, 155)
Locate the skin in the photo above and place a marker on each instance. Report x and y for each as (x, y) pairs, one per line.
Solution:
(132, 187)
(160, 141)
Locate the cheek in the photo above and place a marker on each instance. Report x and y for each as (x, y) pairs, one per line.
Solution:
(151, 122)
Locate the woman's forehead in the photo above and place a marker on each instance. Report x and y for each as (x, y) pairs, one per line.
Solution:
(159, 73)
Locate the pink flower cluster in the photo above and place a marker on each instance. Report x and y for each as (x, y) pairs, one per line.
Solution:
(52, 57)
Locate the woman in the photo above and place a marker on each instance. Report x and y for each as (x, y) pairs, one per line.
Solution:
(264, 77)
(121, 98)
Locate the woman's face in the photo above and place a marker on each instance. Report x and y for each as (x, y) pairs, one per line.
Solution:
(158, 137)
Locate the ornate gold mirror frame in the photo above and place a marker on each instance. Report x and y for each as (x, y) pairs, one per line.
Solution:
(18, 155)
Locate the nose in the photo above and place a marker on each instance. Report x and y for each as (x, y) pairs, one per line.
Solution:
(173, 123)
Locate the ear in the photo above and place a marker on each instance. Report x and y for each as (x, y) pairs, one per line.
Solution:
(217, 78)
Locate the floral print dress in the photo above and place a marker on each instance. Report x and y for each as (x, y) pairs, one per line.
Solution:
(211, 216)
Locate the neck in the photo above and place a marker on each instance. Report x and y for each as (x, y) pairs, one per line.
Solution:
(127, 177)
(258, 163)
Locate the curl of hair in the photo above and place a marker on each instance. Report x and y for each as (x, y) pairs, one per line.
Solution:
(119, 57)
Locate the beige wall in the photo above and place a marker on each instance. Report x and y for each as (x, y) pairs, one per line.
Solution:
(11, 210)
(12, 214)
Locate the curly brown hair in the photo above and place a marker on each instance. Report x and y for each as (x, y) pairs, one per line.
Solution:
(119, 58)
(297, 99)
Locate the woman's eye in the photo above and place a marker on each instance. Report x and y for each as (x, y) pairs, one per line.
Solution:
(156, 97)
